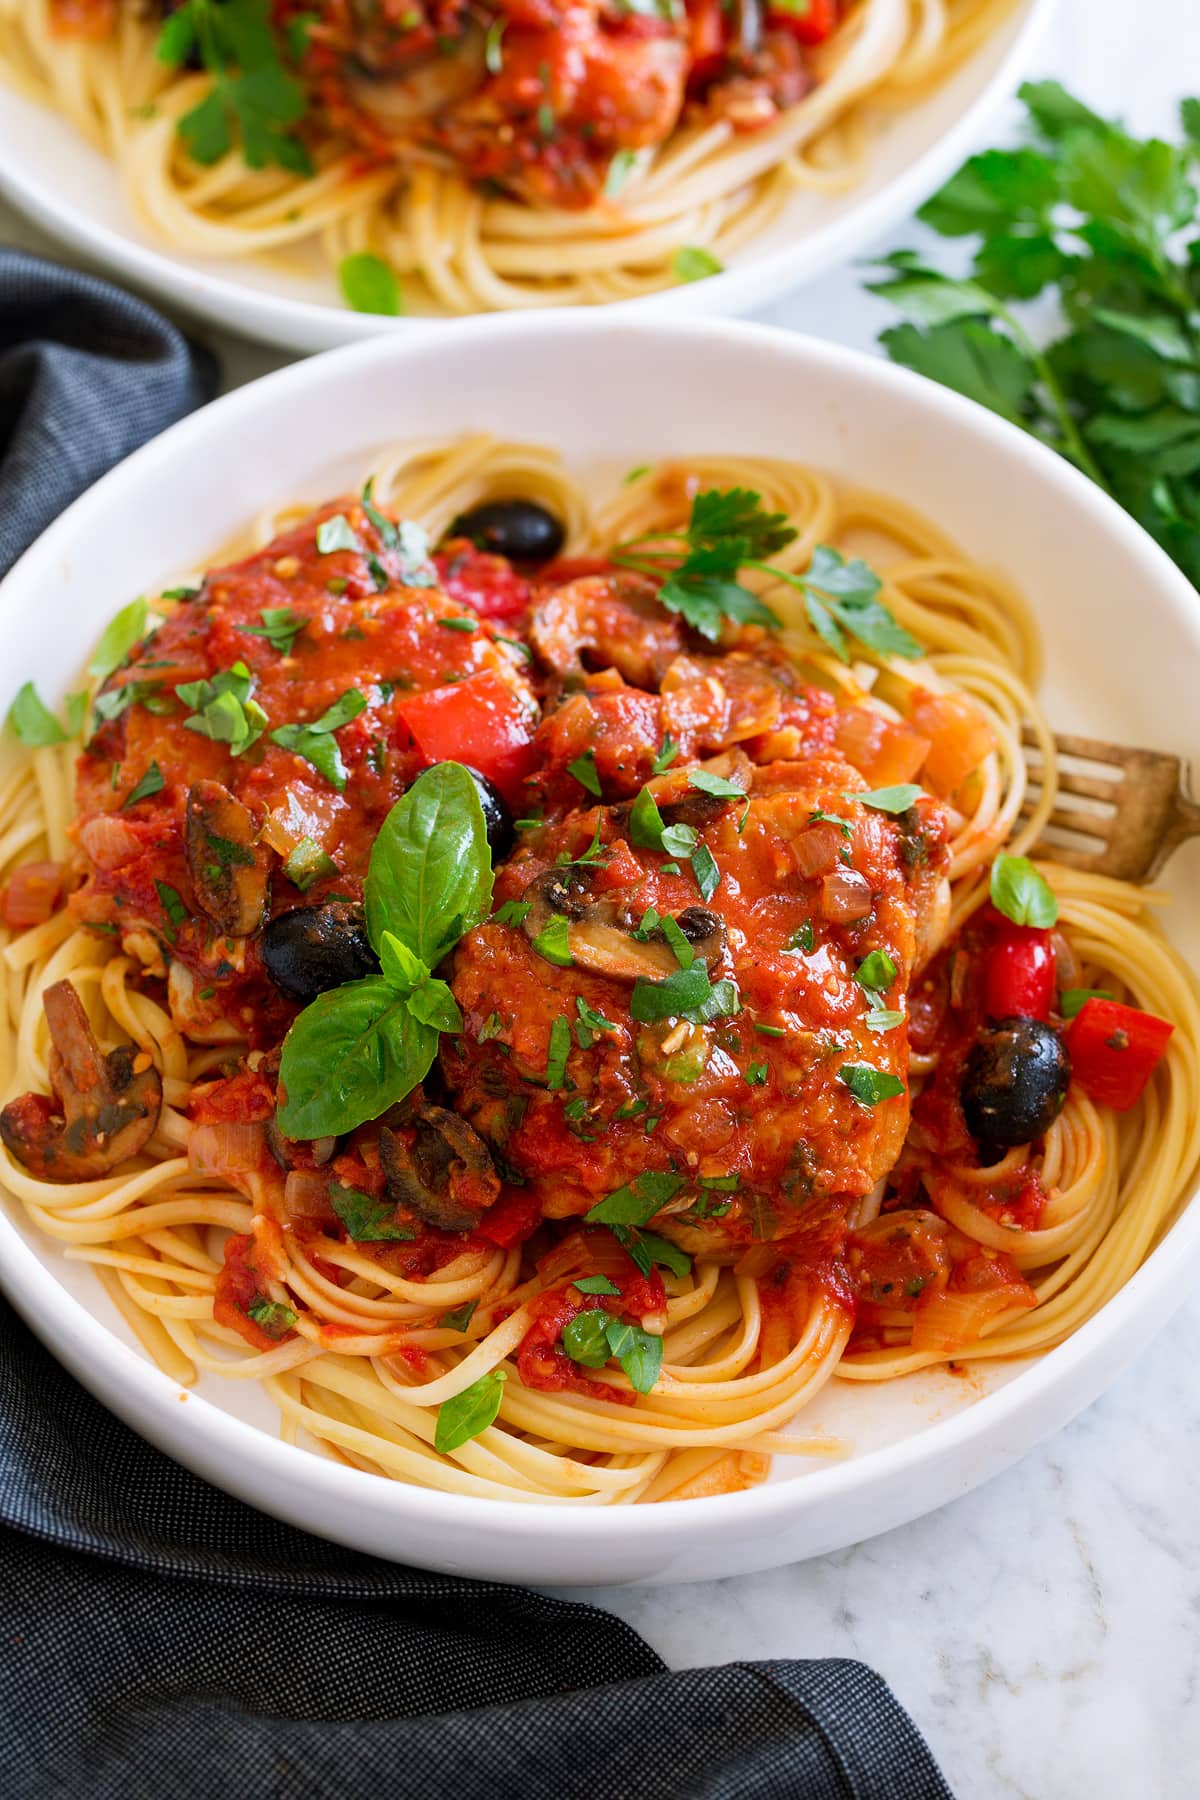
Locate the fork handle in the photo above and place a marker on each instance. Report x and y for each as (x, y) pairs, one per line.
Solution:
(1183, 822)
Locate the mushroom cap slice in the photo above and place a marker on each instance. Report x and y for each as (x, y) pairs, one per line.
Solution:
(104, 1108)
(228, 865)
(599, 939)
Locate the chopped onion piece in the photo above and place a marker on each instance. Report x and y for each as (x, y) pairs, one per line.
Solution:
(815, 849)
(229, 1147)
(846, 896)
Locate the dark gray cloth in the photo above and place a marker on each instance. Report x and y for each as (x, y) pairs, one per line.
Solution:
(158, 1638)
(87, 374)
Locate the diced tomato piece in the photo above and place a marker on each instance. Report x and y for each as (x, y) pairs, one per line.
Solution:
(479, 721)
(1019, 974)
(515, 1216)
(959, 733)
(33, 892)
(981, 1287)
(812, 21)
(885, 753)
(489, 585)
(1114, 1051)
(707, 25)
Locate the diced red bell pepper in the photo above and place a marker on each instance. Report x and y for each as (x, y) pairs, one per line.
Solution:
(1114, 1051)
(812, 21)
(480, 721)
(1019, 973)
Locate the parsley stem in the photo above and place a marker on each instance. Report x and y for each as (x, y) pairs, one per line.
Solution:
(1073, 443)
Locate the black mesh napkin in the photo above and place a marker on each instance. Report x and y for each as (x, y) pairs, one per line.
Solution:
(158, 1638)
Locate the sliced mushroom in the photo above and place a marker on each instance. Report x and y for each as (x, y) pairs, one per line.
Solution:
(290, 1154)
(695, 807)
(227, 864)
(438, 1167)
(601, 938)
(103, 1109)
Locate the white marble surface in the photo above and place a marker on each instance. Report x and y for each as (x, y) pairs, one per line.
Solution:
(1045, 1631)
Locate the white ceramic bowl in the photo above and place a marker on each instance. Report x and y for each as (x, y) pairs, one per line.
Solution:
(48, 172)
(1122, 633)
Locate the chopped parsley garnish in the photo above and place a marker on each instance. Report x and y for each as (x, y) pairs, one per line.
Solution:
(771, 1030)
(668, 750)
(271, 1316)
(280, 626)
(315, 742)
(589, 1024)
(459, 624)
(889, 799)
(684, 994)
(152, 783)
(584, 771)
(513, 912)
(172, 905)
(307, 864)
(252, 92)
(876, 972)
(619, 170)
(558, 1051)
(596, 1284)
(554, 943)
(717, 785)
(802, 939)
(756, 1074)
(704, 868)
(685, 956)
(367, 1220)
(224, 709)
(337, 533)
(460, 1318)
(35, 725)
(638, 1201)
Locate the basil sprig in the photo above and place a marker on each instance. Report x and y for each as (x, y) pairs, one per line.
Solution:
(467, 1414)
(359, 1048)
(1021, 893)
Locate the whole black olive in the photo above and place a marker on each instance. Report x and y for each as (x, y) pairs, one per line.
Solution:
(313, 948)
(519, 529)
(1014, 1082)
(496, 814)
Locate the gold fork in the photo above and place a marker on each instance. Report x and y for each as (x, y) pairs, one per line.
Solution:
(1125, 823)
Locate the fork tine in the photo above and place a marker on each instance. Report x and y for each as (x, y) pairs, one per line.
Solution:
(1079, 824)
(1088, 787)
(1086, 749)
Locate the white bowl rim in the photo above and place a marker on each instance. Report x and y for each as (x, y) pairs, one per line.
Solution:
(286, 321)
(86, 1340)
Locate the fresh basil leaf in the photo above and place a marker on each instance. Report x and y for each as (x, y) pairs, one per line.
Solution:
(225, 711)
(595, 1284)
(802, 939)
(367, 1220)
(172, 905)
(400, 965)
(351, 1054)
(667, 1255)
(118, 639)
(585, 1338)
(280, 627)
(639, 1353)
(32, 721)
(1021, 893)
(318, 748)
(882, 1018)
(467, 1414)
(430, 873)
(704, 868)
(638, 1201)
(685, 956)
(434, 1004)
(679, 840)
(869, 1085)
(692, 262)
(369, 285)
(668, 750)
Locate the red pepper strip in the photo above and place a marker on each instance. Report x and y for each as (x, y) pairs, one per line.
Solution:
(1020, 974)
(1114, 1051)
(811, 23)
(514, 1217)
(480, 722)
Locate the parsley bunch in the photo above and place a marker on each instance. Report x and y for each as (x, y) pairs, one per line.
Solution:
(731, 530)
(1103, 224)
(252, 92)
